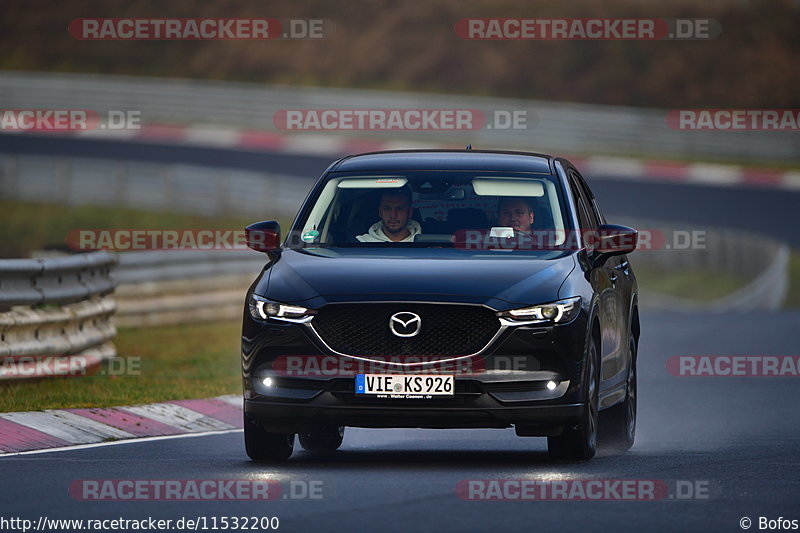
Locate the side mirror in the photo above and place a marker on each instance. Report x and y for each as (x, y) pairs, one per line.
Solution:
(263, 236)
(611, 239)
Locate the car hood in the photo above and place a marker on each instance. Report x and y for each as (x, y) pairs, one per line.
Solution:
(314, 278)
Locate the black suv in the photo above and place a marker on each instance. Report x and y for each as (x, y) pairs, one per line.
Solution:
(442, 289)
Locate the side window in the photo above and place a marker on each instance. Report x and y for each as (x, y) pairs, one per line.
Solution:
(595, 217)
(597, 212)
(580, 204)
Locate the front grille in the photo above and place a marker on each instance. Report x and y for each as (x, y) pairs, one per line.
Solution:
(447, 330)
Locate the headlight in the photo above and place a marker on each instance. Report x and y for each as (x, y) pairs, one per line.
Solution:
(263, 309)
(553, 313)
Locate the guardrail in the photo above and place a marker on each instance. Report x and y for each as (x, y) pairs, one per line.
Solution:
(141, 267)
(150, 186)
(172, 287)
(552, 126)
(55, 314)
(741, 254)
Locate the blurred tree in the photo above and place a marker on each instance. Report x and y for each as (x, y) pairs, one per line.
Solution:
(412, 46)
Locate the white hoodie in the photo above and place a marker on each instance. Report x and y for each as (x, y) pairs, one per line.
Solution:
(375, 233)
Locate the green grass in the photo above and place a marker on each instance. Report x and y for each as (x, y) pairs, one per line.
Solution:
(176, 362)
(704, 286)
(31, 226)
(699, 285)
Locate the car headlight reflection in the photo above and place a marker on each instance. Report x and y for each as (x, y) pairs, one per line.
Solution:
(263, 309)
(559, 312)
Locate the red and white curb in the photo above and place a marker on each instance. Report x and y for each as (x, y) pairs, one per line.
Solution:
(692, 173)
(213, 136)
(58, 428)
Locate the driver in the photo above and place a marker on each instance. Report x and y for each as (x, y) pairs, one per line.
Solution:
(395, 224)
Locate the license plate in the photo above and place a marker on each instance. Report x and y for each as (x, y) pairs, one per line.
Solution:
(405, 386)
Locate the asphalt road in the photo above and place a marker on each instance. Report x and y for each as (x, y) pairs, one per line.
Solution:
(766, 210)
(739, 437)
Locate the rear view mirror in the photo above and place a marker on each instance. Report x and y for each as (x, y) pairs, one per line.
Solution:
(263, 236)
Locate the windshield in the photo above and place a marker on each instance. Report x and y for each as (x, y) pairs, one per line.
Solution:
(434, 209)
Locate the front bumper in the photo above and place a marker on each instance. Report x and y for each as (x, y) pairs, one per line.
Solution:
(483, 413)
(504, 386)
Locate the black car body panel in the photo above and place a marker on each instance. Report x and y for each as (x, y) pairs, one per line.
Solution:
(446, 160)
(315, 278)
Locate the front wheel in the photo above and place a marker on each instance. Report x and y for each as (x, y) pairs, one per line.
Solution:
(618, 424)
(264, 446)
(579, 443)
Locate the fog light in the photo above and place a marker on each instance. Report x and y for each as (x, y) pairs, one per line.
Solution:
(551, 385)
(267, 382)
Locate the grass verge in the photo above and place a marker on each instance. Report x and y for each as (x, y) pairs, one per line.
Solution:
(175, 362)
(31, 226)
(703, 285)
(698, 285)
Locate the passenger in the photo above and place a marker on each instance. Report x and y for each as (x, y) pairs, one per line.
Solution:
(395, 224)
(515, 213)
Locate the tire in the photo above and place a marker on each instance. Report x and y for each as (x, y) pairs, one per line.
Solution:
(618, 424)
(579, 443)
(323, 439)
(263, 446)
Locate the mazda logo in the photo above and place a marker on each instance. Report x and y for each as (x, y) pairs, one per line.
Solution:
(405, 324)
